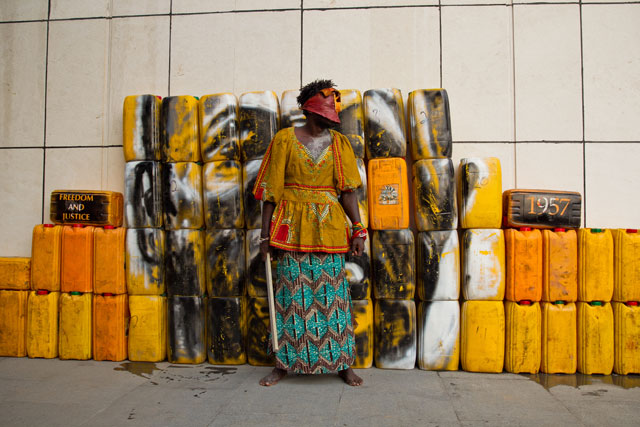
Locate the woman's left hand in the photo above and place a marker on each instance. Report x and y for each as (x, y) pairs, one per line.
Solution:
(357, 246)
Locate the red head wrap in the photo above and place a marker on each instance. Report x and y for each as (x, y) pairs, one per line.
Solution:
(325, 103)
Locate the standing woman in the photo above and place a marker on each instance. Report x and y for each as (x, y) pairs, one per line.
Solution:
(306, 182)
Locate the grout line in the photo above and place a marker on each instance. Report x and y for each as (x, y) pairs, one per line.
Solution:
(44, 136)
(170, 31)
(301, 39)
(440, 36)
(584, 145)
(513, 91)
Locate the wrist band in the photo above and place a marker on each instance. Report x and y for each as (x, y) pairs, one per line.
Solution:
(358, 230)
(264, 239)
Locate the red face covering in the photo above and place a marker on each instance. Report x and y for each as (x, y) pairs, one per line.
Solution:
(325, 103)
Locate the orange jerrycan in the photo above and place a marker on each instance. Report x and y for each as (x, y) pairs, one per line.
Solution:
(595, 265)
(42, 324)
(74, 336)
(110, 326)
(258, 332)
(559, 265)
(595, 338)
(363, 314)
(434, 187)
(627, 337)
(222, 191)
(259, 120)
(46, 256)
(77, 259)
(429, 124)
(626, 268)
(395, 334)
(524, 264)
(483, 270)
(15, 273)
(388, 194)
(352, 120)
(13, 323)
(225, 263)
(290, 112)
(559, 346)
(108, 260)
(439, 335)
(147, 328)
(219, 137)
(482, 336)
(180, 139)
(226, 331)
(522, 351)
(480, 193)
(145, 261)
(384, 123)
(141, 127)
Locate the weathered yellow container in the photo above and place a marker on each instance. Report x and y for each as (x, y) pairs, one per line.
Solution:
(559, 345)
(184, 263)
(145, 261)
(559, 265)
(352, 120)
(108, 260)
(358, 272)
(42, 324)
(395, 334)
(143, 194)
(439, 335)
(524, 264)
(523, 346)
(482, 336)
(46, 255)
(226, 331)
(626, 269)
(384, 123)
(429, 124)
(393, 262)
(290, 112)
(86, 207)
(361, 193)
(13, 323)
(258, 333)
(595, 265)
(252, 207)
(76, 273)
(219, 136)
(225, 263)
(595, 338)
(434, 189)
(438, 266)
(141, 127)
(480, 193)
(388, 190)
(15, 273)
(147, 328)
(256, 272)
(182, 200)
(363, 331)
(180, 139)
(186, 329)
(74, 336)
(483, 269)
(222, 191)
(259, 120)
(110, 327)
(626, 338)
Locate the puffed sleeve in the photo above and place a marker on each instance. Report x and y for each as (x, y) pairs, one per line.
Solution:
(270, 180)
(346, 174)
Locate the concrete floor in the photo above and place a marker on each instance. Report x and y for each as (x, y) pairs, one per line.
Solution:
(69, 393)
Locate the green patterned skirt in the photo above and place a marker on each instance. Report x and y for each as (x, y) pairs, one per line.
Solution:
(313, 313)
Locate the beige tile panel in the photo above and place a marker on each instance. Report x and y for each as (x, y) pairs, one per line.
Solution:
(24, 10)
(76, 82)
(611, 185)
(21, 207)
(62, 9)
(194, 6)
(139, 64)
(309, 4)
(611, 36)
(547, 66)
(113, 169)
(237, 53)
(477, 72)
(139, 7)
(375, 48)
(503, 151)
(22, 75)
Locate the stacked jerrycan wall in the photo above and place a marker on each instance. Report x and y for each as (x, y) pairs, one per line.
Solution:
(522, 341)
(219, 133)
(259, 120)
(13, 323)
(74, 336)
(46, 256)
(147, 328)
(560, 265)
(626, 338)
(110, 324)
(626, 265)
(384, 123)
(524, 264)
(429, 124)
(42, 324)
(559, 346)
(595, 338)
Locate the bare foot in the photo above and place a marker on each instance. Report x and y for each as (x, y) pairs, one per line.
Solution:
(272, 379)
(350, 377)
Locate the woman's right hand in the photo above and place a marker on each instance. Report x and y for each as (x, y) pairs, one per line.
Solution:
(265, 249)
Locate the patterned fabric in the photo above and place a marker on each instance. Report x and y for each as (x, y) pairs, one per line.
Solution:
(308, 216)
(313, 313)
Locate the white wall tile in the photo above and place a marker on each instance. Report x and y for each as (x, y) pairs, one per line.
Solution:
(235, 53)
(374, 48)
(550, 166)
(76, 82)
(24, 10)
(71, 169)
(477, 72)
(139, 7)
(611, 36)
(139, 64)
(309, 4)
(611, 187)
(21, 207)
(503, 151)
(113, 167)
(194, 6)
(22, 81)
(548, 81)
(62, 9)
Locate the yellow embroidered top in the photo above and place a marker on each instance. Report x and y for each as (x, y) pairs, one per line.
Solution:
(308, 216)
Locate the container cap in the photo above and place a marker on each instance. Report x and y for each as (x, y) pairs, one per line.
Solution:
(632, 230)
(559, 302)
(107, 294)
(75, 293)
(525, 302)
(159, 97)
(597, 303)
(49, 225)
(78, 225)
(109, 227)
(632, 303)
(525, 228)
(559, 230)
(42, 292)
(597, 230)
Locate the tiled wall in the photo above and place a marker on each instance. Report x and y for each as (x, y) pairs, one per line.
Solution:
(551, 88)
